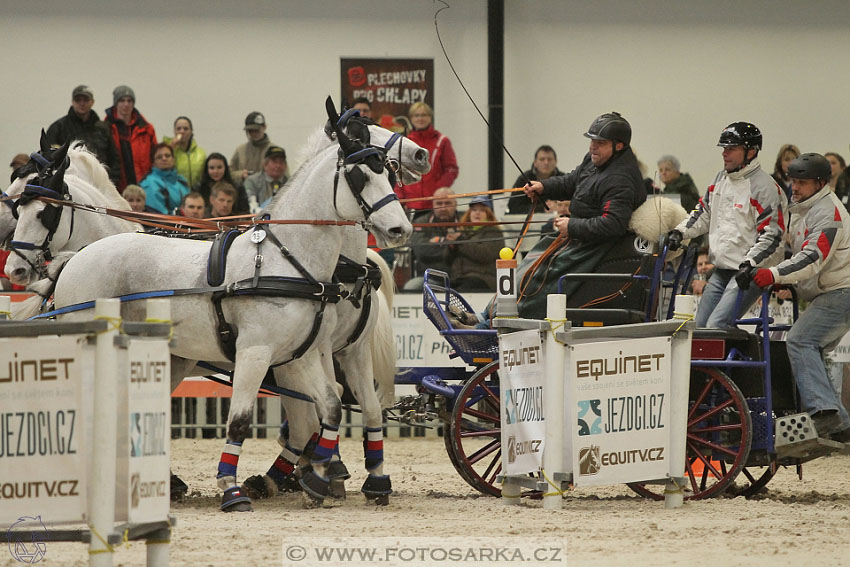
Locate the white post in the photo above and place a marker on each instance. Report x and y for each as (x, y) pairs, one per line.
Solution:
(5, 307)
(553, 403)
(506, 286)
(679, 385)
(158, 311)
(101, 503)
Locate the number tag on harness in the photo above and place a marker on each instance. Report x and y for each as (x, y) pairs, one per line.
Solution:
(258, 236)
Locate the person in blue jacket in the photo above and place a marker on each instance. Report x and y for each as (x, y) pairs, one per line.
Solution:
(164, 187)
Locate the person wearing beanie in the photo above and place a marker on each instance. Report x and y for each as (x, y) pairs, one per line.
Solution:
(82, 123)
(133, 136)
(249, 157)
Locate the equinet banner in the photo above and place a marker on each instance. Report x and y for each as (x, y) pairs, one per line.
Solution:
(521, 392)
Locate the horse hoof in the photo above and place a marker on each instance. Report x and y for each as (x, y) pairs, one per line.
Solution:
(259, 487)
(377, 489)
(338, 470)
(178, 488)
(318, 487)
(337, 488)
(234, 500)
(289, 484)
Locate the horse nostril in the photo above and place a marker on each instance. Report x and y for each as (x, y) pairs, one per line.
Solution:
(19, 273)
(421, 156)
(396, 231)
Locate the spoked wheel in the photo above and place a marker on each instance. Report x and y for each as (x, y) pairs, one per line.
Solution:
(752, 479)
(719, 435)
(473, 435)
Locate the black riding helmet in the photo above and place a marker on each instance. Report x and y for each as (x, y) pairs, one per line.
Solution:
(610, 126)
(810, 166)
(740, 134)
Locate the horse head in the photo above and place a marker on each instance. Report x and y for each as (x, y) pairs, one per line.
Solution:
(404, 157)
(363, 171)
(38, 223)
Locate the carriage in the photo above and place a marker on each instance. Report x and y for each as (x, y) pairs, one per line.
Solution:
(744, 420)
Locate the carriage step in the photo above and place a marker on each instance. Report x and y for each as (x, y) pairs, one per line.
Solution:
(797, 437)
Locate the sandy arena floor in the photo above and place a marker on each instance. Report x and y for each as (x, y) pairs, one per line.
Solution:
(796, 523)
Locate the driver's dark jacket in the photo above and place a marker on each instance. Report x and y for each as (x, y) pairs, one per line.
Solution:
(602, 199)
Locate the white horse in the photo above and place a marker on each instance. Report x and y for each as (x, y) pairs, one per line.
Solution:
(368, 361)
(45, 230)
(345, 182)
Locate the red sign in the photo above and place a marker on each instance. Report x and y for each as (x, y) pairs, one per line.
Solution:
(390, 86)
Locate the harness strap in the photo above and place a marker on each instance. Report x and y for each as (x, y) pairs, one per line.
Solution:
(227, 333)
(270, 388)
(361, 322)
(308, 342)
(289, 257)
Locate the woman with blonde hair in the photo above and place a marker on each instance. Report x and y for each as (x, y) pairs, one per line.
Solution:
(444, 167)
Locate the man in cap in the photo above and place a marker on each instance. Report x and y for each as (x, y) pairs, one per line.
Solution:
(81, 123)
(820, 271)
(263, 185)
(248, 158)
(744, 214)
(133, 136)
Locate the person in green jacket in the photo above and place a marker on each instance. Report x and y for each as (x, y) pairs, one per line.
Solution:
(676, 182)
(189, 157)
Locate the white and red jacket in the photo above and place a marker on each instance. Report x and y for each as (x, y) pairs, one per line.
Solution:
(820, 239)
(744, 214)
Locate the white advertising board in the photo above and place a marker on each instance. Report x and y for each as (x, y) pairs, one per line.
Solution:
(43, 434)
(144, 433)
(418, 343)
(619, 392)
(522, 380)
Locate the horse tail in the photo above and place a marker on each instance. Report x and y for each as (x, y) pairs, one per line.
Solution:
(387, 279)
(384, 353)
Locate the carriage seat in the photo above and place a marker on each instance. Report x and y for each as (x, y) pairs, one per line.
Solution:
(626, 299)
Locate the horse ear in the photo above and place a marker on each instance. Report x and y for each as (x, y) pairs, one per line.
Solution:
(61, 153)
(43, 143)
(333, 117)
(331, 109)
(57, 181)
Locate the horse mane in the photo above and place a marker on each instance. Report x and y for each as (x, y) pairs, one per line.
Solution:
(315, 144)
(87, 166)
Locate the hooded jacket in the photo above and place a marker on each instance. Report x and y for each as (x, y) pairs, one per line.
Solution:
(602, 198)
(135, 143)
(189, 162)
(444, 169)
(164, 189)
(744, 214)
(819, 233)
(474, 254)
(94, 133)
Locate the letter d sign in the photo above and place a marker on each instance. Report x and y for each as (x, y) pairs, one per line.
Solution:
(506, 288)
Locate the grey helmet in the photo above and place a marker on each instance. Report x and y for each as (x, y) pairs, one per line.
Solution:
(610, 126)
(810, 166)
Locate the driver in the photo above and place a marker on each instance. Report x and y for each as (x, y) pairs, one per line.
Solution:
(743, 213)
(820, 270)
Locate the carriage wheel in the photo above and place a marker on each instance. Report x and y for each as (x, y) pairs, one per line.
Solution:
(719, 435)
(473, 434)
(753, 478)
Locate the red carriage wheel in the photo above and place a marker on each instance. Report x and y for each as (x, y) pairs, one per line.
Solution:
(719, 435)
(473, 434)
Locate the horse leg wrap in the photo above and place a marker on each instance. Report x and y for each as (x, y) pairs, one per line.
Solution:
(283, 433)
(283, 471)
(318, 487)
(234, 500)
(377, 488)
(373, 448)
(229, 462)
(309, 451)
(327, 445)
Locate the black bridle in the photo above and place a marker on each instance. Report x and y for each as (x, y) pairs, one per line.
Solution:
(49, 216)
